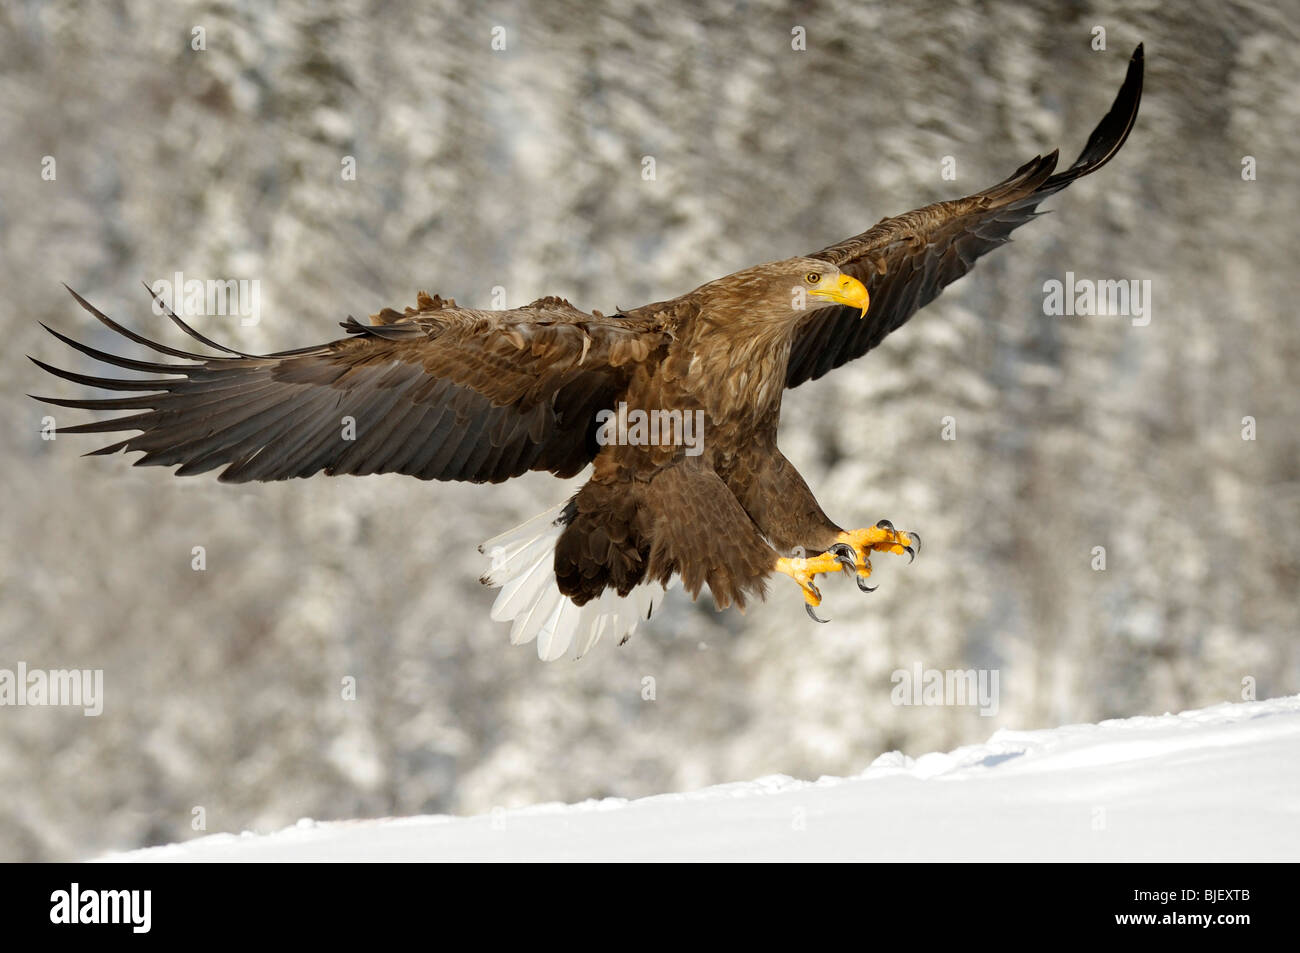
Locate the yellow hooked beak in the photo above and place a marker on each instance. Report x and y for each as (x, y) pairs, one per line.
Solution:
(845, 290)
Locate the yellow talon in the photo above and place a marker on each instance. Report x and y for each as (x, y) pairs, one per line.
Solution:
(803, 570)
(851, 552)
(881, 538)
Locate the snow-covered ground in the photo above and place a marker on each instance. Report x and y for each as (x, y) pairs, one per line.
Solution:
(1221, 783)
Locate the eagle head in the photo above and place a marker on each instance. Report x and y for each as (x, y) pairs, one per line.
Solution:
(780, 293)
(826, 285)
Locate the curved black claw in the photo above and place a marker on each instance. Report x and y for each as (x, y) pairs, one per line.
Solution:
(911, 552)
(885, 524)
(813, 615)
(848, 560)
(845, 556)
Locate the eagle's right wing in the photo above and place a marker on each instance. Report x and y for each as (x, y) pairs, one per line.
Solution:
(440, 393)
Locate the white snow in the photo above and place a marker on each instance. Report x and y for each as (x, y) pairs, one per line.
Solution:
(1221, 783)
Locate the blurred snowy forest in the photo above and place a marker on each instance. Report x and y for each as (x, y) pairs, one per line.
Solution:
(522, 168)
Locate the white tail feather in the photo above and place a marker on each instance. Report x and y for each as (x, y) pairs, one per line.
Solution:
(523, 568)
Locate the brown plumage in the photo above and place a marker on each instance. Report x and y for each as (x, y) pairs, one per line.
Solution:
(448, 393)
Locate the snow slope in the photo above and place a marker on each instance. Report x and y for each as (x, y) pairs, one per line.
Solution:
(1222, 783)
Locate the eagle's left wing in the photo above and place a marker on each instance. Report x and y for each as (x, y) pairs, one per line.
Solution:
(906, 261)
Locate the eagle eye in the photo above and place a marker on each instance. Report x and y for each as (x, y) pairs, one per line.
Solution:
(812, 277)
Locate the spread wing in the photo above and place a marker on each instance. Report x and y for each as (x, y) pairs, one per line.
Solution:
(906, 261)
(439, 392)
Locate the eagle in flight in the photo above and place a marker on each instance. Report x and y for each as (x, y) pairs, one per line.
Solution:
(703, 494)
